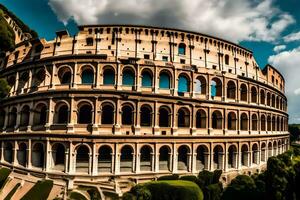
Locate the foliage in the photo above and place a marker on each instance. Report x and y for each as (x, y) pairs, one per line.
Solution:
(7, 36)
(12, 192)
(294, 131)
(4, 88)
(4, 173)
(169, 177)
(210, 184)
(39, 191)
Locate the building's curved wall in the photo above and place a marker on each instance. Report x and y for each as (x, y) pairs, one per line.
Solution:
(157, 101)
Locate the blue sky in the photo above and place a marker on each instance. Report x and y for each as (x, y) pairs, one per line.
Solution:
(270, 28)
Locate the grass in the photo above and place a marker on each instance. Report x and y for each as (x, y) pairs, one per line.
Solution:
(40, 191)
(4, 173)
(12, 192)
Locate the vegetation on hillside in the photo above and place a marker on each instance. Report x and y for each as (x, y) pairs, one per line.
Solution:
(7, 35)
(294, 130)
(4, 88)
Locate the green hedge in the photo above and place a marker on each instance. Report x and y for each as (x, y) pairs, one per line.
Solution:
(7, 36)
(40, 191)
(169, 177)
(4, 173)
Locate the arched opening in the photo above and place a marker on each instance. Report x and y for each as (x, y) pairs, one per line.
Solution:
(277, 102)
(244, 122)
(263, 123)
(231, 90)
(105, 159)
(244, 92)
(146, 78)
(183, 158)
(8, 152)
(202, 158)
(126, 163)
(107, 114)
(200, 85)
(255, 154)
(85, 114)
(164, 80)
(245, 157)
(183, 84)
(181, 49)
(40, 117)
(268, 99)
(58, 157)
(82, 159)
(128, 77)
(253, 94)
(87, 76)
(65, 75)
(146, 115)
(22, 154)
(278, 124)
(269, 128)
(183, 117)
(62, 112)
(232, 157)
(164, 158)
(201, 119)
(275, 153)
(270, 149)
(217, 120)
(12, 118)
(2, 118)
(226, 59)
(231, 121)
(216, 87)
(279, 147)
(146, 158)
(127, 115)
(164, 117)
(25, 113)
(218, 157)
(39, 77)
(254, 122)
(262, 97)
(108, 76)
(273, 123)
(38, 155)
(24, 77)
(273, 100)
(263, 152)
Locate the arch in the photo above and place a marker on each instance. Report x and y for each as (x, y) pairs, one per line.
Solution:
(38, 155)
(218, 157)
(108, 76)
(269, 120)
(65, 75)
(146, 115)
(244, 92)
(183, 158)
(85, 112)
(181, 49)
(263, 122)
(128, 76)
(245, 156)
(232, 156)
(39, 77)
(87, 75)
(277, 102)
(278, 124)
(217, 120)
(231, 121)
(231, 90)
(62, 113)
(200, 85)
(82, 159)
(273, 100)
(40, 115)
(268, 99)
(226, 59)
(12, 117)
(183, 119)
(183, 84)
(270, 149)
(146, 158)
(22, 154)
(147, 78)
(216, 87)
(254, 122)
(201, 119)
(164, 158)
(2, 118)
(107, 113)
(126, 161)
(255, 154)
(105, 159)
(25, 113)
(262, 97)
(244, 122)
(273, 123)
(164, 80)
(202, 158)
(8, 152)
(275, 148)
(164, 117)
(127, 115)
(263, 152)
(58, 157)
(253, 94)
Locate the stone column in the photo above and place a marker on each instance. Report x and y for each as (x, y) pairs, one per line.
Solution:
(2, 152)
(137, 127)
(29, 165)
(190, 162)
(95, 130)
(48, 160)
(94, 160)
(31, 117)
(194, 159)
(50, 113)
(152, 161)
(206, 161)
(67, 155)
(118, 118)
(72, 159)
(175, 159)
(156, 118)
(15, 149)
(75, 76)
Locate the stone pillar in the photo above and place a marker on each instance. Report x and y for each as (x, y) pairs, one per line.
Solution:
(94, 160)
(2, 152)
(31, 117)
(112, 169)
(18, 119)
(156, 118)
(67, 157)
(175, 159)
(72, 159)
(76, 75)
(52, 79)
(48, 160)
(207, 161)
(152, 161)
(137, 127)
(15, 149)
(156, 80)
(73, 117)
(95, 130)
(194, 162)
(118, 122)
(156, 168)
(29, 165)
(117, 160)
(50, 113)
(190, 162)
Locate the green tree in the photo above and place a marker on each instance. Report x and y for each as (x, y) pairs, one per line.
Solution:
(7, 36)
(4, 88)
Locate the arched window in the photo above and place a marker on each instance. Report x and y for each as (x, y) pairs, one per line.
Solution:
(273, 123)
(87, 76)
(253, 94)
(244, 122)
(128, 77)
(181, 49)
(22, 154)
(164, 80)
(226, 59)
(200, 85)
(268, 99)
(65, 75)
(263, 123)
(273, 100)
(183, 117)
(254, 122)
(108, 76)
(231, 121)
(232, 156)
(127, 115)
(217, 120)
(255, 154)
(85, 114)
(13, 118)
(201, 161)
(63, 114)
(146, 78)
(183, 160)
(2, 118)
(262, 97)
(164, 158)
(146, 115)
(126, 160)
(231, 90)
(245, 155)
(39, 77)
(164, 117)
(58, 157)
(107, 114)
(216, 87)
(40, 116)
(269, 128)
(218, 157)
(200, 119)
(244, 92)
(278, 124)
(263, 152)
(105, 159)
(8, 152)
(146, 158)
(183, 84)
(82, 159)
(25, 112)
(37, 155)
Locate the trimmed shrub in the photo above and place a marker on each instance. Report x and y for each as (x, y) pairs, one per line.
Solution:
(39, 191)
(169, 177)
(189, 178)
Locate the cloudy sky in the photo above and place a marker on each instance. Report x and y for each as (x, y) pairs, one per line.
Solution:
(270, 28)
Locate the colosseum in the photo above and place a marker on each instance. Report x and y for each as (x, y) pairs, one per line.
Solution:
(120, 104)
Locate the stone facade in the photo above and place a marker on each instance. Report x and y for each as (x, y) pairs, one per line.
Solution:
(130, 103)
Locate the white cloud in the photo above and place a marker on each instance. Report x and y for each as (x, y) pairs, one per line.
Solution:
(237, 20)
(292, 37)
(288, 63)
(279, 48)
